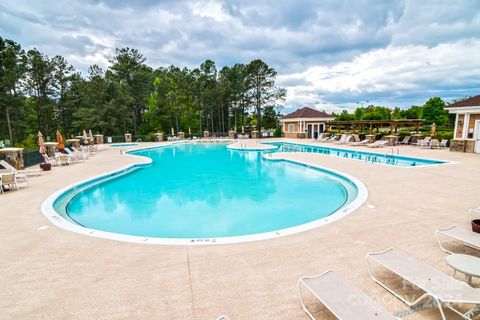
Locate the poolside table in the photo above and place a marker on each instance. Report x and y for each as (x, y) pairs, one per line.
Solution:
(466, 264)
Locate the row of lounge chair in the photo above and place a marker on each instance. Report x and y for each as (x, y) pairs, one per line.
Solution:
(351, 140)
(426, 143)
(345, 301)
(10, 177)
(72, 155)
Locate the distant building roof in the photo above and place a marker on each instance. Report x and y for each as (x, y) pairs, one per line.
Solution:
(307, 112)
(470, 102)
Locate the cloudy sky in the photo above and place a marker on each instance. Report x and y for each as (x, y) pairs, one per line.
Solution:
(328, 54)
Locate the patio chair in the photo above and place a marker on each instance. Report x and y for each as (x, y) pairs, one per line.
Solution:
(424, 143)
(467, 237)
(378, 144)
(21, 174)
(223, 318)
(405, 140)
(72, 155)
(51, 160)
(8, 180)
(443, 143)
(80, 153)
(343, 300)
(444, 290)
(63, 159)
(360, 143)
(343, 138)
(434, 144)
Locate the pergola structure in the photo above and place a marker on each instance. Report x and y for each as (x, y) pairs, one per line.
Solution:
(370, 125)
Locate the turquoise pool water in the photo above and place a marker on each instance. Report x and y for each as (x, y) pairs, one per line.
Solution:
(389, 157)
(206, 191)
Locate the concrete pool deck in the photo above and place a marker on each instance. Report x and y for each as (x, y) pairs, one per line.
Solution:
(51, 273)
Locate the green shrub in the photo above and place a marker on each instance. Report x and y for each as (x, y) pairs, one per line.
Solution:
(403, 133)
(278, 131)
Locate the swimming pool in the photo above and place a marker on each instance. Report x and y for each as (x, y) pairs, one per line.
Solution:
(205, 193)
(389, 157)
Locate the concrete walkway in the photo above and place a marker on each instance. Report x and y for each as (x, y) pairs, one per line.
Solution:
(55, 274)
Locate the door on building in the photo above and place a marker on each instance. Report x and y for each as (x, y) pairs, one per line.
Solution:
(477, 136)
(310, 131)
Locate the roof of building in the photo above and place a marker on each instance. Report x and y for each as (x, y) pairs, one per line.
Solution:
(470, 102)
(307, 112)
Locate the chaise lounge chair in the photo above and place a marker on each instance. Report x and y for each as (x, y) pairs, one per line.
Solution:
(443, 144)
(20, 173)
(406, 140)
(469, 238)
(444, 290)
(343, 139)
(360, 143)
(343, 300)
(378, 144)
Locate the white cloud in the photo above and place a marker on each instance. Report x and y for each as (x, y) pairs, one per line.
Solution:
(384, 74)
(328, 53)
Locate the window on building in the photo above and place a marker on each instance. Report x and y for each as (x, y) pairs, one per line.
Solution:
(290, 128)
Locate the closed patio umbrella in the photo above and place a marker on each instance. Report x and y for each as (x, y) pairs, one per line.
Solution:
(90, 135)
(173, 132)
(434, 128)
(61, 146)
(41, 143)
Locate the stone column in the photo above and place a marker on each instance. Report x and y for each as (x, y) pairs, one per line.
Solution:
(231, 134)
(370, 138)
(158, 137)
(98, 139)
(181, 135)
(128, 137)
(255, 134)
(206, 134)
(392, 140)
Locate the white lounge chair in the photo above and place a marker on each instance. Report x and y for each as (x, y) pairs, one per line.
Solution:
(405, 140)
(444, 290)
(223, 318)
(73, 156)
(468, 237)
(434, 144)
(443, 143)
(8, 180)
(51, 160)
(377, 144)
(343, 300)
(424, 143)
(21, 174)
(360, 143)
(79, 153)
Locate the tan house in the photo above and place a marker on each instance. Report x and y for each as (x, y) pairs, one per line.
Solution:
(466, 136)
(304, 123)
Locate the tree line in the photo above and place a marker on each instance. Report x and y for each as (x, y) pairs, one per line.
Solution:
(38, 92)
(433, 111)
